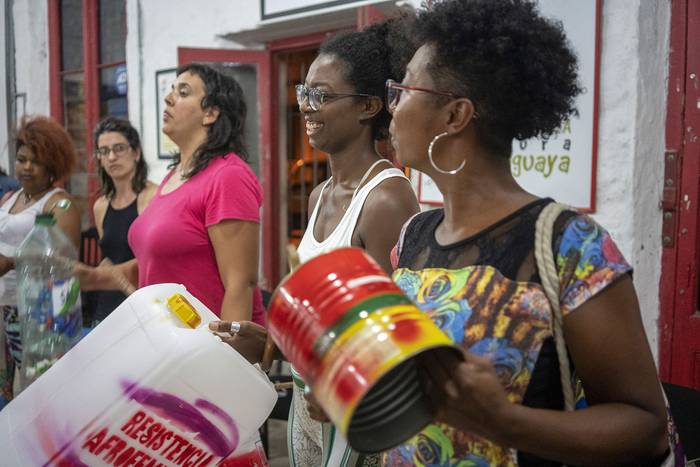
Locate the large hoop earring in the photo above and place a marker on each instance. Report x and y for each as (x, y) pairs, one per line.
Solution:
(432, 162)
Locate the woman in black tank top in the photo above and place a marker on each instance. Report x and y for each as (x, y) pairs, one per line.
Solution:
(114, 245)
(125, 194)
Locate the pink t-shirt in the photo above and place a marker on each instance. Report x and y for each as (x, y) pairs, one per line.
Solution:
(170, 238)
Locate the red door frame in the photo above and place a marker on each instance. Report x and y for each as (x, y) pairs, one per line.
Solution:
(92, 92)
(679, 325)
(55, 94)
(268, 144)
(268, 73)
(91, 80)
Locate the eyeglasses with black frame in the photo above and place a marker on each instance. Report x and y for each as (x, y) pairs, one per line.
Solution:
(316, 97)
(394, 90)
(119, 150)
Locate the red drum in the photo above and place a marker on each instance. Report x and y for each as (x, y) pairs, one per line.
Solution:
(353, 337)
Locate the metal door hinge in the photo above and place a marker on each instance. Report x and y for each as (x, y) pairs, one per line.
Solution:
(669, 199)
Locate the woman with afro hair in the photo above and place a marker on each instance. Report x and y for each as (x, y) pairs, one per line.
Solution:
(488, 72)
(45, 157)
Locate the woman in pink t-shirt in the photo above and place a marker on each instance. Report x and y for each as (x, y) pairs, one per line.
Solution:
(202, 227)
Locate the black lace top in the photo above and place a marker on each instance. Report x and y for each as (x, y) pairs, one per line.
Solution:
(485, 293)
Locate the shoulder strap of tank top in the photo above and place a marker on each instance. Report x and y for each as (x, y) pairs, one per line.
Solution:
(352, 215)
(7, 205)
(44, 199)
(39, 206)
(364, 177)
(36, 207)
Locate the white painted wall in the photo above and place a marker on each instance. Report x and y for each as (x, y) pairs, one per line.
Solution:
(32, 55)
(634, 69)
(654, 47)
(160, 28)
(4, 156)
(31, 65)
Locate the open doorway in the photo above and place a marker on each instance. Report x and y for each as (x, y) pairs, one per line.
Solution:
(305, 167)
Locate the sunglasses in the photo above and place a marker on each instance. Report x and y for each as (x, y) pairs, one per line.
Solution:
(316, 97)
(119, 150)
(394, 90)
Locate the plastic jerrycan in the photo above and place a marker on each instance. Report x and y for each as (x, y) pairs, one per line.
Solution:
(147, 388)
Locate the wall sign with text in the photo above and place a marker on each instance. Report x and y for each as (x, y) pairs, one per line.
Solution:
(164, 80)
(562, 166)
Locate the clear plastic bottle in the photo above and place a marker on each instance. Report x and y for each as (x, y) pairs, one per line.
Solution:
(48, 298)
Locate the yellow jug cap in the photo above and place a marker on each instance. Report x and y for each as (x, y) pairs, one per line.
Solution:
(184, 310)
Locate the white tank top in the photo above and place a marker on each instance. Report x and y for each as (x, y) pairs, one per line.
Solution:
(342, 234)
(13, 229)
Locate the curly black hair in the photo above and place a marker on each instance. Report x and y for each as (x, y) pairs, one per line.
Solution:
(124, 127)
(516, 66)
(371, 56)
(226, 134)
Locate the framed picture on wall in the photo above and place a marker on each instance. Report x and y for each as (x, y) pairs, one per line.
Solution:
(428, 192)
(164, 79)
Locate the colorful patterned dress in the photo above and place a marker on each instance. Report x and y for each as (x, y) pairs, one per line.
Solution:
(484, 292)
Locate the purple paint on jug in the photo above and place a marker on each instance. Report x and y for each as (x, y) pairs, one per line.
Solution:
(184, 415)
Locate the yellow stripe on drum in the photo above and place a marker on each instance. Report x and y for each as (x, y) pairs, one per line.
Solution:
(368, 351)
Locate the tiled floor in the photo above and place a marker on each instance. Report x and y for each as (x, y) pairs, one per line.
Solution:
(277, 433)
(277, 428)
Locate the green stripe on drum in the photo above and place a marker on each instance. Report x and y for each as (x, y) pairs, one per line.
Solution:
(360, 311)
(296, 377)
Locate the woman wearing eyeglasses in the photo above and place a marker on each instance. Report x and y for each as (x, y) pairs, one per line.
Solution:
(489, 71)
(366, 200)
(45, 156)
(344, 113)
(201, 228)
(126, 192)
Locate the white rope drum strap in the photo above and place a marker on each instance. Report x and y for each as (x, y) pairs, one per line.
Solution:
(550, 282)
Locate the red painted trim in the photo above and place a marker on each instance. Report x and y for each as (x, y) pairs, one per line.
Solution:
(271, 238)
(674, 141)
(91, 86)
(596, 99)
(292, 44)
(270, 170)
(108, 65)
(192, 54)
(269, 157)
(70, 72)
(55, 94)
(686, 321)
(272, 235)
(367, 15)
